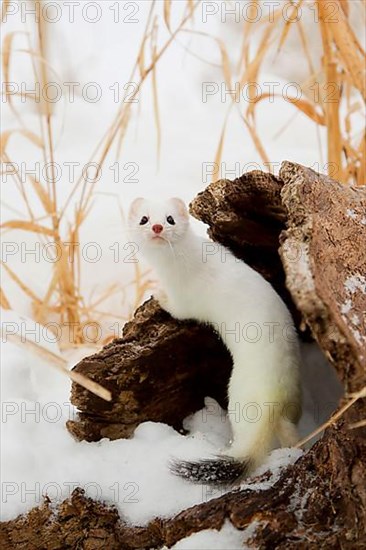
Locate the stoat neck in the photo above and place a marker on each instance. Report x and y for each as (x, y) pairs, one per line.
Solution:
(177, 263)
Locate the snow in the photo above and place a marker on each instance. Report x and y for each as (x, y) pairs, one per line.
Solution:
(209, 539)
(354, 216)
(346, 307)
(38, 455)
(354, 283)
(351, 213)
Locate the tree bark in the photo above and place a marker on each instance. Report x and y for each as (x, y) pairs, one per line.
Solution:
(319, 229)
(160, 370)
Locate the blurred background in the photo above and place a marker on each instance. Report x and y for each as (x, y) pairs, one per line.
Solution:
(105, 101)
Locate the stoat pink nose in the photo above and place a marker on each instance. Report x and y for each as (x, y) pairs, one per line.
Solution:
(157, 228)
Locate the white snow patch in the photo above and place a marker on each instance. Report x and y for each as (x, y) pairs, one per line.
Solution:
(298, 502)
(210, 539)
(358, 336)
(275, 463)
(41, 458)
(354, 283)
(346, 307)
(355, 319)
(351, 214)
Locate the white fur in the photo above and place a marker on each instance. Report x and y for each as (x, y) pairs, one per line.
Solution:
(204, 281)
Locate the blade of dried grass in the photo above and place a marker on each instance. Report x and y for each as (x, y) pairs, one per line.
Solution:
(254, 9)
(359, 424)
(334, 137)
(361, 171)
(21, 285)
(347, 45)
(60, 363)
(290, 20)
(115, 287)
(7, 44)
(191, 7)
(345, 7)
(40, 310)
(256, 140)
(305, 46)
(359, 395)
(4, 302)
(225, 63)
(301, 104)
(167, 11)
(154, 38)
(141, 58)
(43, 195)
(4, 10)
(251, 69)
(20, 185)
(36, 140)
(334, 125)
(46, 110)
(28, 226)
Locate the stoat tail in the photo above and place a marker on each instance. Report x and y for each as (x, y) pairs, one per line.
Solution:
(252, 443)
(224, 470)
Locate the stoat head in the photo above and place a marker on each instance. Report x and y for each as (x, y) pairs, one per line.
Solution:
(158, 223)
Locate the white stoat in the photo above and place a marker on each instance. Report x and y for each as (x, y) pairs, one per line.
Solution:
(204, 281)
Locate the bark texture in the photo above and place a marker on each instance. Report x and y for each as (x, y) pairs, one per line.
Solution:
(161, 370)
(324, 255)
(319, 228)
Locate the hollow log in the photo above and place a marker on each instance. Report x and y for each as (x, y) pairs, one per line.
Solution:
(323, 252)
(319, 229)
(160, 370)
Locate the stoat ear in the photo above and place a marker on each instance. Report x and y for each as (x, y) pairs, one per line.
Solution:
(135, 205)
(180, 207)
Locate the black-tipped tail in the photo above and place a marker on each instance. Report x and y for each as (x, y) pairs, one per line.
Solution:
(220, 471)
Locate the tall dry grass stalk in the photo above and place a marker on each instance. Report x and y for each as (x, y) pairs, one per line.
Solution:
(342, 62)
(64, 298)
(342, 78)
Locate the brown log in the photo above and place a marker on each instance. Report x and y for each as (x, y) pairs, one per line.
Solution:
(324, 255)
(161, 370)
(247, 216)
(320, 501)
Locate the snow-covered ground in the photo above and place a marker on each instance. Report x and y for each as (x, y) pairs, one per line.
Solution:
(38, 456)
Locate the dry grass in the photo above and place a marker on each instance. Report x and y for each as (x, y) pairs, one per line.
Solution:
(58, 362)
(64, 297)
(342, 62)
(342, 79)
(352, 399)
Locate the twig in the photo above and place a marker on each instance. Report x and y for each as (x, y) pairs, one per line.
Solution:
(60, 363)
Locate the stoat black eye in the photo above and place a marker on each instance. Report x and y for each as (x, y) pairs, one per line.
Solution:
(170, 220)
(144, 220)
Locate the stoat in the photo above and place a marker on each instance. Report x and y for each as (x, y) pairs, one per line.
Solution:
(202, 280)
